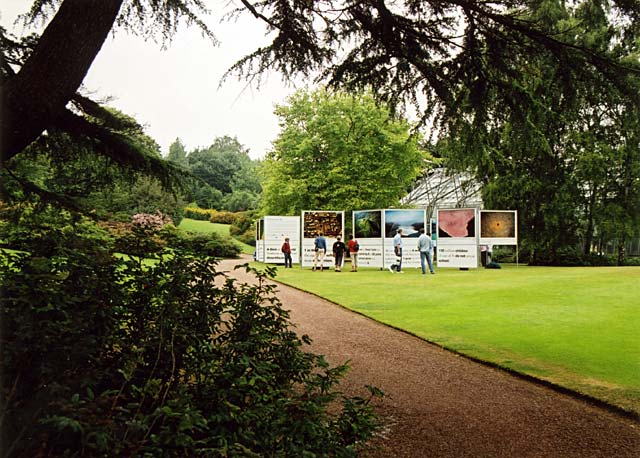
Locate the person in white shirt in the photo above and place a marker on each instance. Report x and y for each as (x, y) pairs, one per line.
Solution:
(425, 247)
(397, 249)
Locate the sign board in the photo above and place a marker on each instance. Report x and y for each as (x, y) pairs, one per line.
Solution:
(498, 227)
(328, 223)
(276, 229)
(411, 221)
(367, 229)
(457, 238)
(260, 240)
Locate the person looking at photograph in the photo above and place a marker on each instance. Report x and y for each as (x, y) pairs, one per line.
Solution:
(354, 247)
(425, 247)
(338, 253)
(286, 250)
(397, 249)
(320, 246)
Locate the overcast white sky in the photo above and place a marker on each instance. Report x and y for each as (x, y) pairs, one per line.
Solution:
(175, 92)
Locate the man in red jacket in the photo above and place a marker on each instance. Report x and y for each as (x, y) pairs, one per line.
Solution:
(286, 249)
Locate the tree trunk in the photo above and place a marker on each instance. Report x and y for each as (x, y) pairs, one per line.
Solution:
(588, 236)
(39, 93)
(621, 253)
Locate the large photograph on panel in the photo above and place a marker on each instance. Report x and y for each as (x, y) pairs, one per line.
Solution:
(410, 221)
(367, 230)
(367, 224)
(457, 222)
(498, 227)
(328, 223)
(457, 238)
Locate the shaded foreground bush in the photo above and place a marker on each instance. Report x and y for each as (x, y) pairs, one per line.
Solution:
(109, 357)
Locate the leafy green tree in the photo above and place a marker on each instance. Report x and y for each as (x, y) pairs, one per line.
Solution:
(241, 201)
(227, 177)
(543, 148)
(222, 165)
(406, 51)
(177, 153)
(85, 181)
(336, 151)
(207, 197)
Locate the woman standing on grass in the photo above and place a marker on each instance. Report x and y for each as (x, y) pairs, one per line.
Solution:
(354, 247)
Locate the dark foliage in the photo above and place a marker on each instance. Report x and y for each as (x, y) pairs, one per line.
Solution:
(109, 357)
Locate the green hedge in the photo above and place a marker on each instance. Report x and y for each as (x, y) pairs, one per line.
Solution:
(115, 357)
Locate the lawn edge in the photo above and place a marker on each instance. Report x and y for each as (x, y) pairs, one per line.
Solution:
(589, 399)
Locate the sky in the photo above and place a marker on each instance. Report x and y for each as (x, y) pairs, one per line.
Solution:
(176, 92)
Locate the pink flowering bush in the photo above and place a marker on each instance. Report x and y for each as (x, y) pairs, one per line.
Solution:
(151, 222)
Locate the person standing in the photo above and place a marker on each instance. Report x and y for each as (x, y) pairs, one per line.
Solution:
(354, 247)
(320, 246)
(286, 250)
(425, 247)
(338, 253)
(397, 249)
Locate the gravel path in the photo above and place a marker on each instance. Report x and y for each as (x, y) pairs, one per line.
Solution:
(438, 404)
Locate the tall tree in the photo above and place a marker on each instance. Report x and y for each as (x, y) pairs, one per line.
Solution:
(425, 51)
(409, 49)
(541, 148)
(177, 153)
(38, 85)
(337, 151)
(226, 175)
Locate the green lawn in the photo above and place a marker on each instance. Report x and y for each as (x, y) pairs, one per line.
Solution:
(575, 327)
(193, 225)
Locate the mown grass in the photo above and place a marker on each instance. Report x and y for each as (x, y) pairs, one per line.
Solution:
(574, 327)
(193, 225)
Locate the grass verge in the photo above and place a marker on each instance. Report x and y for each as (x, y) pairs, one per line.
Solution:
(193, 225)
(572, 327)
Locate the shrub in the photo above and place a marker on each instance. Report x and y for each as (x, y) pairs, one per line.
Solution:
(632, 261)
(243, 229)
(199, 214)
(241, 224)
(248, 237)
(223, 217)
(213, 244)
(109, 357)
(150, 222)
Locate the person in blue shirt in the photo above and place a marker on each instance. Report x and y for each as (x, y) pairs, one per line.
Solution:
(397, 249)
(425, 247)
(320, 246)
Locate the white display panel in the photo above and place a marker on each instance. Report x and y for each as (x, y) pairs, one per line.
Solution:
(459, 256)
(411, 221)
(498, 227)
(367, 228)
(457, 238)
(276, 229)
(328, 223)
